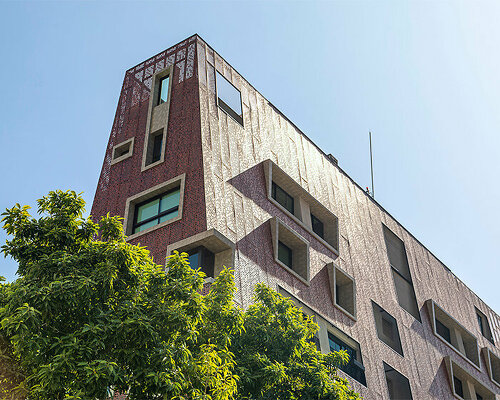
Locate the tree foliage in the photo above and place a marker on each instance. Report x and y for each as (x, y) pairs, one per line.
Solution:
(91, 314)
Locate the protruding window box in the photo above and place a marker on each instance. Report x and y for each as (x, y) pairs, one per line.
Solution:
(492, 365)
(291, 250)
(451, 332)
(209, 250)
(122, 151)
(343, 290)
(463, 385)
(301, 206)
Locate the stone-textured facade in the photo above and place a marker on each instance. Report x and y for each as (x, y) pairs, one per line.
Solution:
(226, 189)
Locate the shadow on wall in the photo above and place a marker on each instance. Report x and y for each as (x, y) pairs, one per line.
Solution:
(252, 184)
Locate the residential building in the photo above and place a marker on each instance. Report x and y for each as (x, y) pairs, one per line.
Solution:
(199, 161)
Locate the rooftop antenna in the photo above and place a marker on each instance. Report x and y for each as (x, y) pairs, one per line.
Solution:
(371, 164)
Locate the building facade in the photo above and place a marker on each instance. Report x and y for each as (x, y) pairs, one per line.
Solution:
(199, 161)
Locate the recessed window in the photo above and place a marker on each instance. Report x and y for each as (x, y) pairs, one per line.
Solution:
(163, 90)
(283, 198)
(317, 226)
(479, 397)
(463, 384)
(450, 331)
(401, 273)
(229, 98)
(492, 365)
(398, 385)
(343, 290)
(201, 257)
(122, 151)
(387, 328)
(157, 142)
(291, 250)
(154, 211)
(484, 326)
(285, 254)
(354, 367)
(459, 389)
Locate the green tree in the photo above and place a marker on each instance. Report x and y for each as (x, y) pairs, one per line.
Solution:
(90, 314)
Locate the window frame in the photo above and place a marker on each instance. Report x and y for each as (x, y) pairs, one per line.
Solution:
(160, 214)
(394, 324)
(221, 104)
(159, 100)
(385, 365)
(148, 194)
(484, 325)
(130, 143)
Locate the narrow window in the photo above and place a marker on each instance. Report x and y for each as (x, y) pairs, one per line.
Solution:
(459, 390)
(401, 273)
(484, 326)
(163, 90)
(285, 254)
(156, 210)
(317, 226)
(387, 328)
(443, 331)
(398, 385)
(202, 258)
(154, 147)
(282, 198)
(157, 142)
(343, 290)
(229, 98)
(354, 368)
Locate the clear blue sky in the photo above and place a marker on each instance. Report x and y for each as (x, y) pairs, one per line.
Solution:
(424, 77)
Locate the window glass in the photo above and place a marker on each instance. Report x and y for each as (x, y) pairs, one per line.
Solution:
(169, 215)
(229, 98)
(282, 197)
(406, 294)
(458, 386)
(194, 260)
(353, 368)
(443, 331)
(145, 226)
(147, 210)
(317, 226)
(398, 385)
(163, 92)
(387, 328)
(170, 200)
(157, 142)
(285, 254)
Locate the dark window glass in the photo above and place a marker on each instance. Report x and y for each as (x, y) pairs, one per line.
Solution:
(387, 328)
(163, 90)
(229, 98)
(282, 197)
(156, 210)
(157, 142)
(479, 397)
(484, 326)
(398, 385)
(443, 331)
(285, 254)
(458, 386)
(401, 272)
(353, 368)
(203, 258)
(317, 226)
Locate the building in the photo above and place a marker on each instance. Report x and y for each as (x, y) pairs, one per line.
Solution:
(199, 161)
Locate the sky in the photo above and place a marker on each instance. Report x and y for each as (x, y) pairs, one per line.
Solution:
(423, 77)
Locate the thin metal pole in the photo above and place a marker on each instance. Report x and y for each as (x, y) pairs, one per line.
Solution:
(371, 164)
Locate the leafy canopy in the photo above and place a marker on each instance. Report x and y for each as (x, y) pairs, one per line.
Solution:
(91, 314)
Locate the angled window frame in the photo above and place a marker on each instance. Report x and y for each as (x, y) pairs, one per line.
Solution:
(484, 325)
(455, 370)
(222, 105)
(340, 279)
(471, 348)
(304, 205)
(380, 331)
(492, 362)
(129, 143)
(388, 368)
(146, 195)
(161, 110)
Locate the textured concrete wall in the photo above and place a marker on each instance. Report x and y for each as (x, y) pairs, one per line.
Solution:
(238, 207)
(183, 147)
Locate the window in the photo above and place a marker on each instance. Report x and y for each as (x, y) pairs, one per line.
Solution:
(451, 332)
(122, 151)
(463, 384)
(155, 207)
(387, 328)
(156, 152)
(154, 149)
(283, 198)
(317, 226)
(398, 385)
(354, 368)
(291, 250)
(285, 254)
(229, 98)
(163, 90)
(201, 257)
(401, 273)
(159, 209)
(342, 289)
(492, 365)
(484, 326)
(301, 206)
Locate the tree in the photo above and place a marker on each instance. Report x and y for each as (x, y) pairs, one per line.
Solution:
(91, 314)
